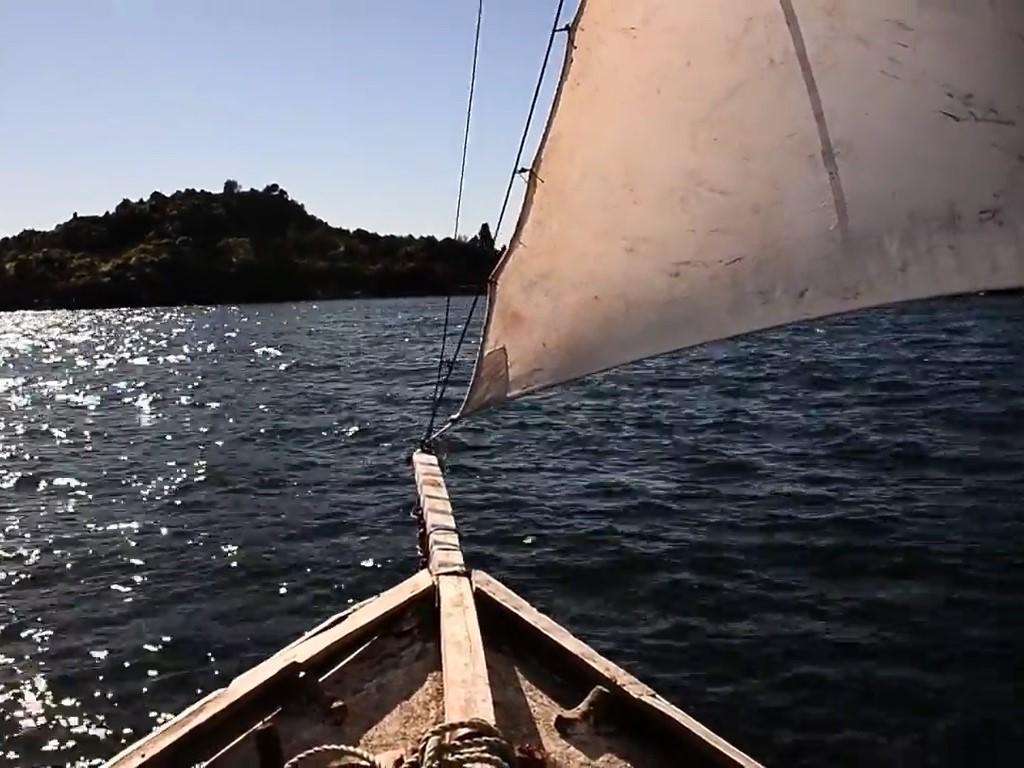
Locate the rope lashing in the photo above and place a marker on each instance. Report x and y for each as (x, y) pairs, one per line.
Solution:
(360, 758)
(435, 400)
(465, 744)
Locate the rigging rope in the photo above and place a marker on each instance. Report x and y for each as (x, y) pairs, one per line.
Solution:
(358, 758)
(441, 383)
(435, 400)
(516, 170)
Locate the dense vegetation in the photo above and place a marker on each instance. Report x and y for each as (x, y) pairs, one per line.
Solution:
(197, 247)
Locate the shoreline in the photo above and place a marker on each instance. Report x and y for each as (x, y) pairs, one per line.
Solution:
(233, 247)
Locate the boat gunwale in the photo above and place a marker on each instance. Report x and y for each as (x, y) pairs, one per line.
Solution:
(330, 637)
(250, 694)
(647, 705)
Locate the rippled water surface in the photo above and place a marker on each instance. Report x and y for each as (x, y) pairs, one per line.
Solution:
(811, 539)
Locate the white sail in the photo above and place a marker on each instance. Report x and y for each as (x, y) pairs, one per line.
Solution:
(713, 168)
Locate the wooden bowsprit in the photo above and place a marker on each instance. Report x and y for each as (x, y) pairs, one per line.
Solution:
(467, 690)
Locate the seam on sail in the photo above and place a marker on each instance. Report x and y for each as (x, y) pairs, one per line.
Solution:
(828, 151)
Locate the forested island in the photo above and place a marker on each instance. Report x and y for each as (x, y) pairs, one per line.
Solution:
(228, 247)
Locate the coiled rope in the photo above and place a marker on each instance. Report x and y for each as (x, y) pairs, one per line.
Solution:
(360, 758)
(465, 744)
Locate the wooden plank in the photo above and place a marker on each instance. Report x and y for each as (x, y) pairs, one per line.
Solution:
(328, 623)
(467, 689)
(282, 665)
(383, 607)
(616, 679)
(363, 648)
(444, 550)
(429, 478)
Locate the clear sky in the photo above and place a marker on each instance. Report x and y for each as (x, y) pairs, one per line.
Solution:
(356, 107)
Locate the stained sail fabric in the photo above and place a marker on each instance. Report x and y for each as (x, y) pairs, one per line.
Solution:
(713, 168)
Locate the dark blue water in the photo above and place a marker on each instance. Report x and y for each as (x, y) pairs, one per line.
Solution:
(811, 539)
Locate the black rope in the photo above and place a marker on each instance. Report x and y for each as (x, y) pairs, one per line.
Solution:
(516, 169)
(458, 347)
(441, 386)
(435, 400)
(469, 115)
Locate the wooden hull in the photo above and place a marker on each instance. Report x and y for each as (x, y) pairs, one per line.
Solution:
(445, 645)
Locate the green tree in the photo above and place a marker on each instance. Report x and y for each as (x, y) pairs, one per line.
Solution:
(484, 237)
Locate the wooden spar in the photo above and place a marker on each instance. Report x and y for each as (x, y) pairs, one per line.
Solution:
(440, 536)
(467, 689)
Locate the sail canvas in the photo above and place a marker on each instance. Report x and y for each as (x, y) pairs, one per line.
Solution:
(711, 169)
